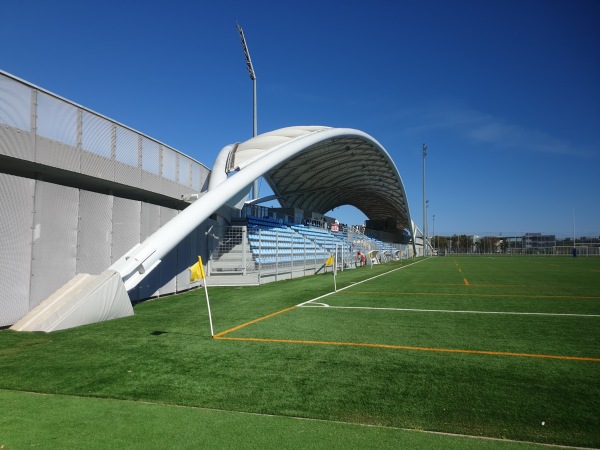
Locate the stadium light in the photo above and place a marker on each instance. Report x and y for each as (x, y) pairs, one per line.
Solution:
(424, 204)
(253, 78)
(433, 237)
(574, 245)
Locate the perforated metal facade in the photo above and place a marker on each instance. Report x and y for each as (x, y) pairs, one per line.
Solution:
(77, 191)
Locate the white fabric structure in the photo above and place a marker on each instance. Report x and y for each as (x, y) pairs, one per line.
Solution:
(314, 168)
(83, 300)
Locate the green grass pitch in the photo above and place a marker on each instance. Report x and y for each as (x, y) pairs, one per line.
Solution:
(498, 347)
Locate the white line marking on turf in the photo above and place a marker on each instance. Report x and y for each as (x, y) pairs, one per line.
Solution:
(357, 283)
(452, 311)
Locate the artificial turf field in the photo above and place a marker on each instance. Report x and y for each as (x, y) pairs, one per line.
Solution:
(500, 347)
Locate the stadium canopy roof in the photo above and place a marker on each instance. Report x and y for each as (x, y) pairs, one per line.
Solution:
(329, 167)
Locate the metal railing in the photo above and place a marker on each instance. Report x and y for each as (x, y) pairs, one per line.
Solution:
(271, 254)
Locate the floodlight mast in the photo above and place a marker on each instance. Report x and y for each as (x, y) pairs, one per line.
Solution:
(253, 78)
(424, 205)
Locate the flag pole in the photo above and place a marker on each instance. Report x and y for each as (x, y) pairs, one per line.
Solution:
(212, 333)
(197, 273)
(335, 269)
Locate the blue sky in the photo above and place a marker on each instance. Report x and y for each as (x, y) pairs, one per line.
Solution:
(505, 94)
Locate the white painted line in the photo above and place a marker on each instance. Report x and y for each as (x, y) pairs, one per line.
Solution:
(357, 283)
(314, 305)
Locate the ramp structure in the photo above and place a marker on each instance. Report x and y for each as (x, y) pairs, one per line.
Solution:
(310, 167)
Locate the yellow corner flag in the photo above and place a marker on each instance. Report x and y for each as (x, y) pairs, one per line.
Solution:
(329, 261)
(197, 271)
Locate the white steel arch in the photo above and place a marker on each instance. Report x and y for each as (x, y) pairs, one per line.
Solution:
(270, 155)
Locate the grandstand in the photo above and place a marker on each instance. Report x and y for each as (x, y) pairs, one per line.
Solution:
(261, 249)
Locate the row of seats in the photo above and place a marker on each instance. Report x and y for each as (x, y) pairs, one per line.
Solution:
(272, 241)
(284, 259)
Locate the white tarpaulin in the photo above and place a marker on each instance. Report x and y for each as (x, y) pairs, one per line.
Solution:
(83, 300)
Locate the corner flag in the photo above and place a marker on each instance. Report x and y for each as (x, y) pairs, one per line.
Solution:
(197, 273)
(329, 261)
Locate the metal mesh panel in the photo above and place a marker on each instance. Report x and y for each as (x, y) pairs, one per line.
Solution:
(98, 166)
(56, 133)
(16, 218)
(125, 230)
(168, 266)
(127, 169)
(127, 147)
(16, 143)
(196, 177)
(54, 239)
(56, 120)
(97, 139)
(94, 235)
(125, 226)
(15, 104)
(151, 182)
(150, 156)
(128, 175)
(184, 171)
(150, 222)
(96, 134)
(169, 164)
(57, 154)
(169, 188)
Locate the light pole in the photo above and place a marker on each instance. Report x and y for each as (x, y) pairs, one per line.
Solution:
(424, 204)
(433, 237)
(574, 245)
(427, 241)
(253, 78)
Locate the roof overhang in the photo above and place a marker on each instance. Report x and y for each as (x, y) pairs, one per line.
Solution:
(324, 168)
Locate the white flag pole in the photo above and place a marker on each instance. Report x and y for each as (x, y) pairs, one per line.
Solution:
(212, 333)
(335, 268)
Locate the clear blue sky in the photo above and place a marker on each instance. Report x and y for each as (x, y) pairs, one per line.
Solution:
(505, 93)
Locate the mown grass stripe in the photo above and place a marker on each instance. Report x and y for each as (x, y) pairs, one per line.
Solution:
(406, 347)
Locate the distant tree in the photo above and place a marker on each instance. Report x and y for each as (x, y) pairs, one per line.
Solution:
(441, 243)
(488, 244)
(455, 243)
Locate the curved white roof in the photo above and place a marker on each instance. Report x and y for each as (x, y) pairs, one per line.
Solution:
(324, 168)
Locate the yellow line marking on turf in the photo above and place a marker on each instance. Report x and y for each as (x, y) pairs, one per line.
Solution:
(456, 294)
(406, 347)
(478, 285)
(466, 282)
(222, 333)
